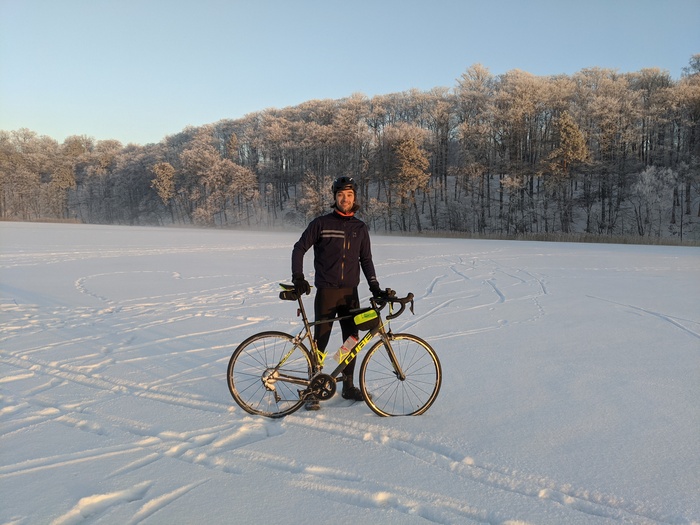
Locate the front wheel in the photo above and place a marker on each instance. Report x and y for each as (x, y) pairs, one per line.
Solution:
(266, 372)
(389, 394)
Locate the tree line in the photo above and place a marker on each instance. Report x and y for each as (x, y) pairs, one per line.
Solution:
(599, 152)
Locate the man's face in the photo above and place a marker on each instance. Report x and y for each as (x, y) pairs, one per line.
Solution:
(344, 200)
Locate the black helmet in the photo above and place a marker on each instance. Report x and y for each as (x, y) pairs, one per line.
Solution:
(344, 183)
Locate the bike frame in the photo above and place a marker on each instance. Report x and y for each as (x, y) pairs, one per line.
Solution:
(318, 357)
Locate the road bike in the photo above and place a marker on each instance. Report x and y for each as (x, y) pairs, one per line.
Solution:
(274, 373)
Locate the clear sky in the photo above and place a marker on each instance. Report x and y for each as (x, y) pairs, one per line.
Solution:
(139, 70)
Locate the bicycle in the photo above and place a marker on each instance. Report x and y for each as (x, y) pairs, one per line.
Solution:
(273, 373)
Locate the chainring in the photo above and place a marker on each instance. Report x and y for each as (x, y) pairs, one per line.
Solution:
(322, 387)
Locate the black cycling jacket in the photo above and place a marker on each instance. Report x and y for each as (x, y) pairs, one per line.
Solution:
(341, 247)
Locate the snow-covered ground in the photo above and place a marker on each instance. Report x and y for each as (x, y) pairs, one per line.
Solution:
(571, 389)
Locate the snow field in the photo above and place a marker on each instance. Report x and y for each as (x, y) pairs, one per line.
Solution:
(571, 380)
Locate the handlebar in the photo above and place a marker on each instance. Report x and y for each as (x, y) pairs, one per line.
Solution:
(389, 297)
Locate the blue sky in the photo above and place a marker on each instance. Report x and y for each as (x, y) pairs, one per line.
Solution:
(138, 70)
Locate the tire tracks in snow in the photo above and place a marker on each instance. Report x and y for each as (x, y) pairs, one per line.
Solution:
(110, 384)
(468, 469)
(674, 321)
(482, 290)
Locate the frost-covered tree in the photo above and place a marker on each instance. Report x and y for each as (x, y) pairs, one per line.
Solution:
(651, 196)
(409, 168)
(571, 150)
(164, 184)
(315, 197)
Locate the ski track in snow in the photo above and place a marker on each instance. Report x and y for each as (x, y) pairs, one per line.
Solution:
(76, 346)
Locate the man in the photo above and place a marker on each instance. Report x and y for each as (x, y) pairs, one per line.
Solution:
(341, 248)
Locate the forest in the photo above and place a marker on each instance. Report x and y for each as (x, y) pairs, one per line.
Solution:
(598, 153)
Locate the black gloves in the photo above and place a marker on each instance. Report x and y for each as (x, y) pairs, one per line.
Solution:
(381, 296)
(301, 285)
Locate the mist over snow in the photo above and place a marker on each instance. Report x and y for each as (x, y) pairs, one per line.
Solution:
(570, 394)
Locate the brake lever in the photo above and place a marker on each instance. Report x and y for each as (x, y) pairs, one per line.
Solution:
(410, 298)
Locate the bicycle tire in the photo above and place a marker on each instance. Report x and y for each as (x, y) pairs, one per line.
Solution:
(257, 358)
(385, 393)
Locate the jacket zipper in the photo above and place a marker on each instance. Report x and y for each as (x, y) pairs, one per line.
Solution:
(342, 264)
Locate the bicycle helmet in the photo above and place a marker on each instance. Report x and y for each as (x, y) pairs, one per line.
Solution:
(344, 183)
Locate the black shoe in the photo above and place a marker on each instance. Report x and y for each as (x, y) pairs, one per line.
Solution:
(352, 392)
(312, 404)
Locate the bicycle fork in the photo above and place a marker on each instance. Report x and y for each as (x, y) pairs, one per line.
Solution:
(398, 371)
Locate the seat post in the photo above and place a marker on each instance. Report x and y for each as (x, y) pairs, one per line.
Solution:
(302, 312)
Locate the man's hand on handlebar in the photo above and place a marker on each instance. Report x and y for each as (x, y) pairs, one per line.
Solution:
(382, 297)
(301, 285)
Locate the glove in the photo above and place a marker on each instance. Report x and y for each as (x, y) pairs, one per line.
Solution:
(381, 296)
(301, 285)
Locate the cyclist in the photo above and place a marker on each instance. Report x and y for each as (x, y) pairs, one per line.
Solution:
(341, 248)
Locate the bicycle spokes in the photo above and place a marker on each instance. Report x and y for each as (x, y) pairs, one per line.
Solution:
(400, 378)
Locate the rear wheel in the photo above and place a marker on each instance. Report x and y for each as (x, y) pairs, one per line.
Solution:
(385, 392)
(266, 372)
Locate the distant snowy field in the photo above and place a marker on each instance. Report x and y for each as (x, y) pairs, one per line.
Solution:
(571, 390)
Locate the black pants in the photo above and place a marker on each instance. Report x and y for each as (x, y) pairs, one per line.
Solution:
(329, 304)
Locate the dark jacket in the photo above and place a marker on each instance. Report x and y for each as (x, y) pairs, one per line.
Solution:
(341, 247)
